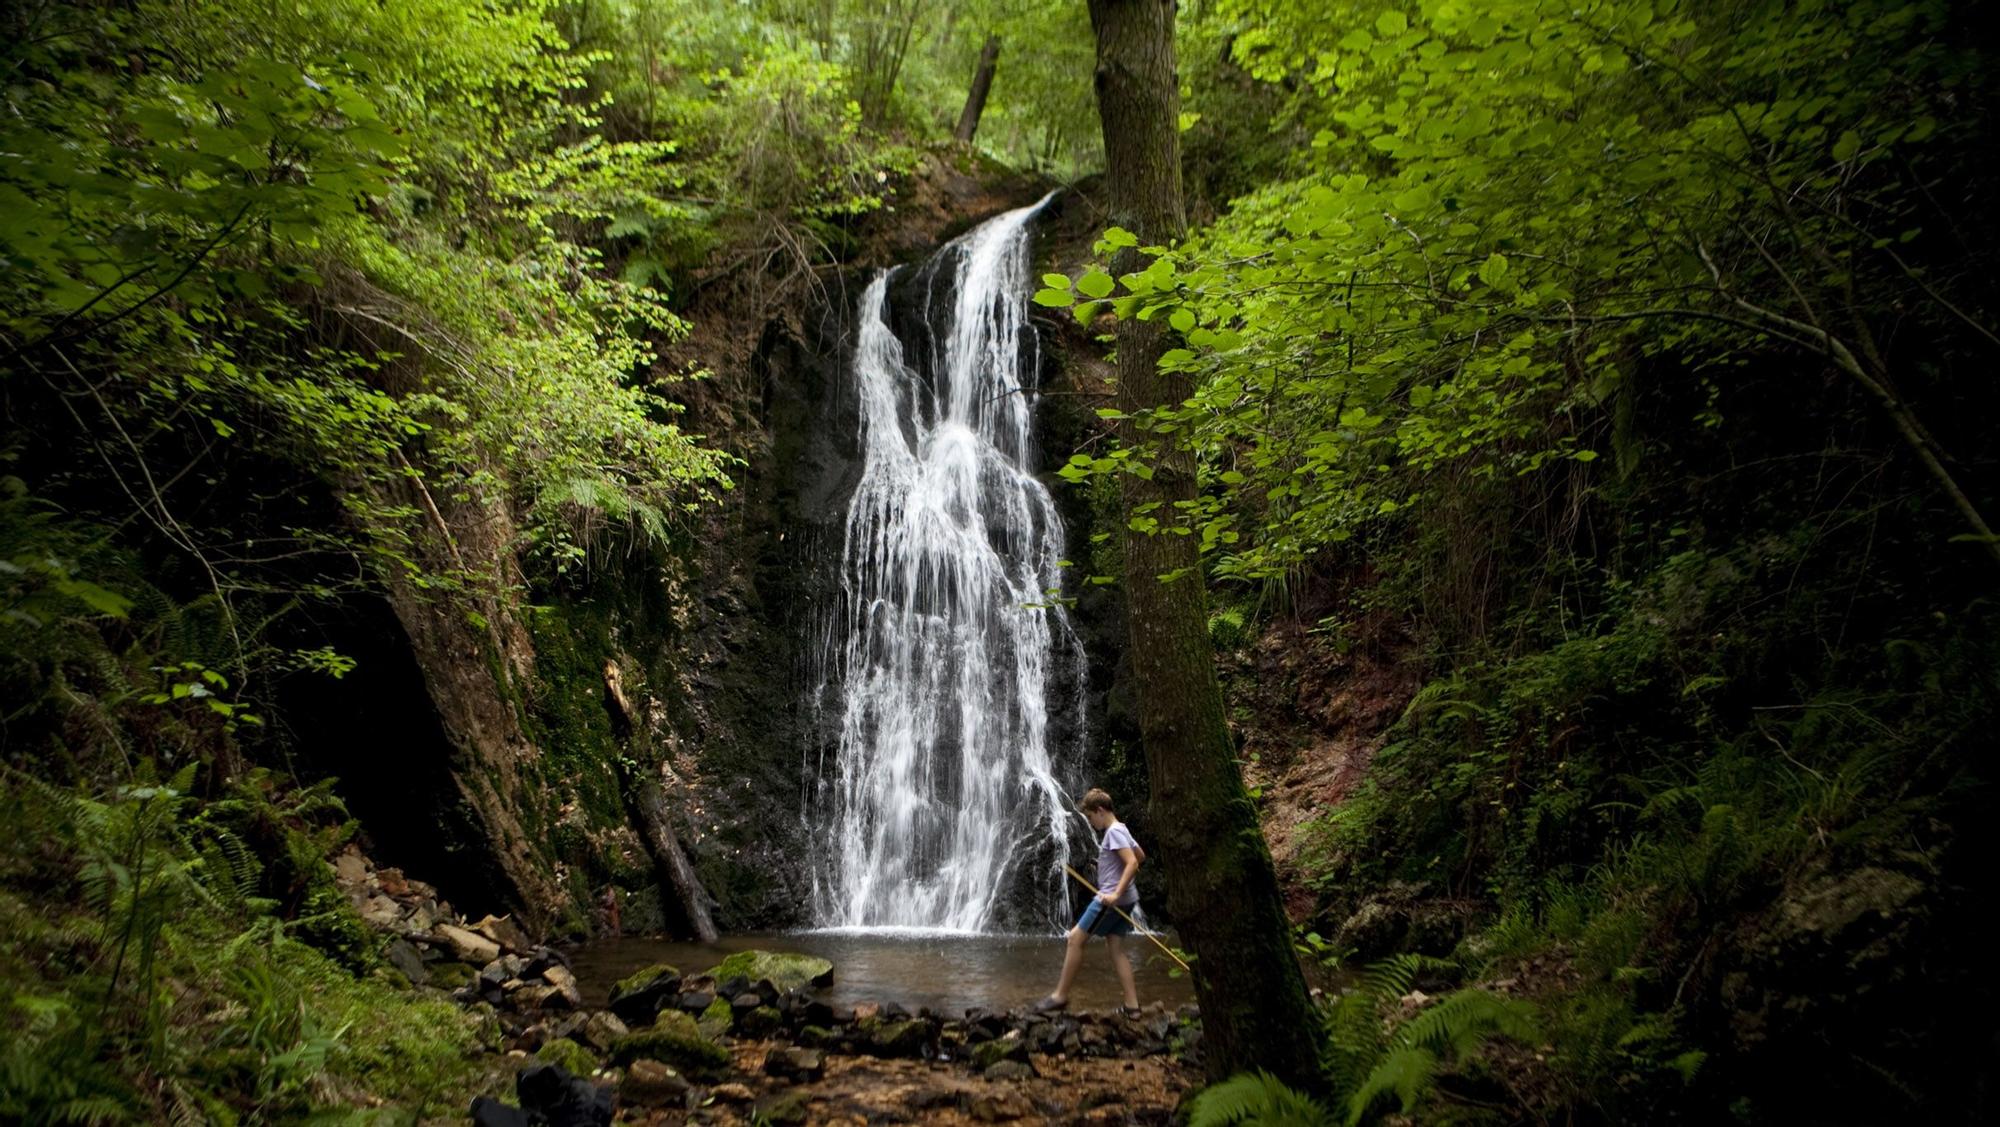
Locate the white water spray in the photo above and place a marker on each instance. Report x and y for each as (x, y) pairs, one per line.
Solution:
(944, 653)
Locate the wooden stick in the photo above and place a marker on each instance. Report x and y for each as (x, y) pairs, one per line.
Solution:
(1128, 919)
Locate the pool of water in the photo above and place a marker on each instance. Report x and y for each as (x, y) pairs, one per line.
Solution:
(947, 972)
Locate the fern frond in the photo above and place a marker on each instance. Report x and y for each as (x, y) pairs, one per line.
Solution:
(1463, 1019)
(1258, 1099)
(1405, 1072)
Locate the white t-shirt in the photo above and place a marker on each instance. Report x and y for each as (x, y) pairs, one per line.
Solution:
(1110, 866)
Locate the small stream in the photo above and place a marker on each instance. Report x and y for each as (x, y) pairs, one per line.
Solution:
(946, 972)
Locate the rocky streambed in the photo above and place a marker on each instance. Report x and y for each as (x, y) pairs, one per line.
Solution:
(755, 1038)
(751, 1037)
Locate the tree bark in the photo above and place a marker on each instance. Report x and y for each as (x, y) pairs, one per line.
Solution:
(648, 797)
(1221, 886)
(668, 856)
(975, 98)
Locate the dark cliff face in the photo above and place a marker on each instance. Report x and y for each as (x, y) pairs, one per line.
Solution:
(754, 717)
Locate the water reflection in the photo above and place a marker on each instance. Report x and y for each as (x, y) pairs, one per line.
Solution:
(948, 972)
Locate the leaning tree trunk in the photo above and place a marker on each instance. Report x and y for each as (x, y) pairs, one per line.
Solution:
(648, 798)
(1221, 886)
(975, 99)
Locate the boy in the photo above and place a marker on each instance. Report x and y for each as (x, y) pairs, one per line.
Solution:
(1118, 858)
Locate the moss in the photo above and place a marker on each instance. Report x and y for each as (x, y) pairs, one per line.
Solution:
(639, 980)
(328, 921)
(786, 971)
(451, 976)
(409, 1049)
(569, 1055)
(674, 1039)
(715, 1020)
(886, 1038)
(760, 1022)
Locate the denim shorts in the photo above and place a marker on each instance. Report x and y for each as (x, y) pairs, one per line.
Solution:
(1097, 919)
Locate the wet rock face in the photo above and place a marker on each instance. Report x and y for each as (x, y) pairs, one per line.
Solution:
(1840, 958)
(1403, 917)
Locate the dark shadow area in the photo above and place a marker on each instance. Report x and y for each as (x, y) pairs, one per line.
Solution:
(375, 730)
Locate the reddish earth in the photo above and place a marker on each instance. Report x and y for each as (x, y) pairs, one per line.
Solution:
(1310, 707)
(865, 1090)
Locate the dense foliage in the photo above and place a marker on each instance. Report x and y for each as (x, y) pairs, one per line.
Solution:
(307, 306)
(1629, 357)
(1621, 366)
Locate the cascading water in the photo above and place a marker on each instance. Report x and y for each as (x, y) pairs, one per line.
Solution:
(943, 650)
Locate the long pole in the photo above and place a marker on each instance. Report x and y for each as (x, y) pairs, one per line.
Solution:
(1169, 951)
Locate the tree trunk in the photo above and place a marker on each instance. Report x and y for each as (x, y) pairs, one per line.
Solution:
(1221, 886)
(649, 802)
(975, 99)
(668, 856)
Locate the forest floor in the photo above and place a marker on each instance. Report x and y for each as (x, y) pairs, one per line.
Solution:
(861, 1090)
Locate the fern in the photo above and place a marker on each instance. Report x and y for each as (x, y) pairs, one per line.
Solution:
(1258, 1099)
(1405, 1072)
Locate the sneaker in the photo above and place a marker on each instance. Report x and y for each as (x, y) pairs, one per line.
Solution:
(1132, 1012)
(1050, 1004)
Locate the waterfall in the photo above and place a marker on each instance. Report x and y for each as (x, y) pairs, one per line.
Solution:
(942, 793)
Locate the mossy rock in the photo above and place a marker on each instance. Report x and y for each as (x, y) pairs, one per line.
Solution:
(885, 1038)
(676, 1040)
(760, 1022)
(637, 998)
(714, 1021)
(451, 976)
(819, 1037)
(639, 980)
(569, 1055)
(782, 969)
(986, 1054)
(785, 1107)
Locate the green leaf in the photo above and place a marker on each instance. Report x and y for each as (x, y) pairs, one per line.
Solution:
(1059, 299)
(1095, 283)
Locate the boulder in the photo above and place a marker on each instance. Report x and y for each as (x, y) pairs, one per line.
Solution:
(886, 1038)
(785, 1107)
(716, 1019)
(674, 1040)
(501, 970)
(451, 976)
(404, 956)
(381, 913)
(695, 1001)
(562, 1099)
(819, 1037)
(800, 1064)
(350, 869)
(1009, 1070)
(784, 970)
(466, 946)
(986, 1054)
(599, 1031)
(758, 1023)
(650, 1082)
(1000, 1106)
(568, 1054)
(505, 932)
(638, 998)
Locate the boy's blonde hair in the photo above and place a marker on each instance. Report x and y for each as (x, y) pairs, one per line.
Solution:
(1095, 799)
